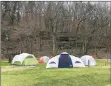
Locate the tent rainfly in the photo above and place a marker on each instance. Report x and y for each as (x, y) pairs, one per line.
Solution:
(24, 59)
(64, 60)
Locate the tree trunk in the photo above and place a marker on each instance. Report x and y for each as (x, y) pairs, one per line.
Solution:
(10, 59)
(86, 50)
(84, 47)
(31, 47)
(54, 41)
(40, 41)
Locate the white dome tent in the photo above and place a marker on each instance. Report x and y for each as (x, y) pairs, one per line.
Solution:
(64, 60)
(45, 59)
(24, 59)
(88, 60)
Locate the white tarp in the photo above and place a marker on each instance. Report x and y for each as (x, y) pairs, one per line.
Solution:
(89, 58)
(21, 57)
(53, 62)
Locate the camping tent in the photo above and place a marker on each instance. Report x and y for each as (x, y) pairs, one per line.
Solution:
(41, 61)
(44, 59)
(24, 59)
(87, 59)
(64, 60)
(109, 59)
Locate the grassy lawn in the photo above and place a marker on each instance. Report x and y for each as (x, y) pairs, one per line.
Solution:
(102, 62)
(5, 63)
(40, 76)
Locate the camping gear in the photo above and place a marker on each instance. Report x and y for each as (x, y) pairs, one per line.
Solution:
(24, 59)
(88, 60)
(64, 60)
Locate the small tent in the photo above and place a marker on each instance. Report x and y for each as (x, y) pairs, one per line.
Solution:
(41, 61)
(44, 59)
(88, 60)
(24, 59)
(64, 60)
(109, 59)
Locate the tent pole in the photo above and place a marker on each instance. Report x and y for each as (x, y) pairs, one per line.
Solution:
(88, 63)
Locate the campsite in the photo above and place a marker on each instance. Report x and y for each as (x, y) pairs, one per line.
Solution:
(38, 75)
(52, 43)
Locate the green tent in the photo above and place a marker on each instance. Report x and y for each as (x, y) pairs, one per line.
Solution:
(24, 59)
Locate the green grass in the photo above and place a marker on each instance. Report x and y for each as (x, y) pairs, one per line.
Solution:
(40, 76)
(5, 63)
(102, 62)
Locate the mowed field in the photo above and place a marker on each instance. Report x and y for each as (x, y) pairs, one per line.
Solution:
(40, 76)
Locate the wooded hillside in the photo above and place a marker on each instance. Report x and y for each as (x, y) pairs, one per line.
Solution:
(48, 28)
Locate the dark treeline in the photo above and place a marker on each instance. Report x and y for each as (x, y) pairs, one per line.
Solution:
(45, 28)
